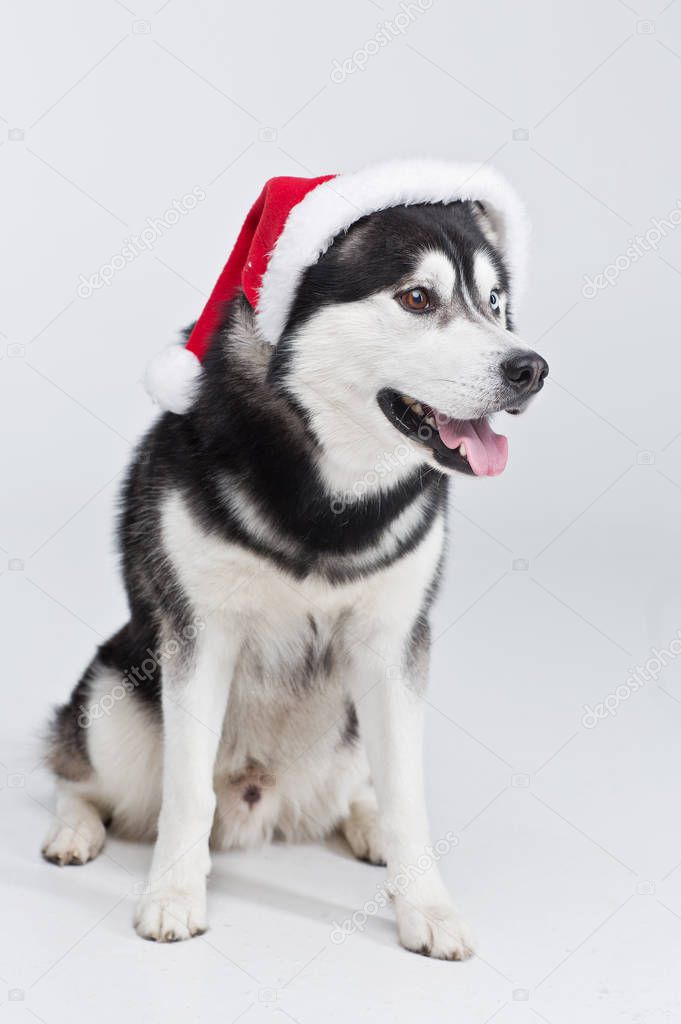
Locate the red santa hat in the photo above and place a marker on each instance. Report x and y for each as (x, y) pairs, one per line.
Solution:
(294, 221)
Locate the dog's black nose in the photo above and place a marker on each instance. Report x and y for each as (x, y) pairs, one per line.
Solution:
(525, 372)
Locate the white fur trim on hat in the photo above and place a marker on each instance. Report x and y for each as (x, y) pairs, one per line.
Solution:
(171, 378)
(335, 205)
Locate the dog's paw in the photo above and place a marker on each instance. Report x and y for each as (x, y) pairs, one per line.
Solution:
(363, 834)
(433, 929)
(74, 844)
(170, 915)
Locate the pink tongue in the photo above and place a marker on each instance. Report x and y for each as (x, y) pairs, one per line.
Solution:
(486, 451)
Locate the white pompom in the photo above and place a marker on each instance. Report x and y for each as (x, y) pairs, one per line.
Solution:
(172, 377)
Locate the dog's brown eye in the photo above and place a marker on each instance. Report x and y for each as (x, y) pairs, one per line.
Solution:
(416, 300)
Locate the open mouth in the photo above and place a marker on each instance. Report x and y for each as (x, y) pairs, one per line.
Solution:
(469, 446)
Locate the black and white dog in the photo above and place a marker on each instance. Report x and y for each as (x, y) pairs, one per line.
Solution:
(282, 541)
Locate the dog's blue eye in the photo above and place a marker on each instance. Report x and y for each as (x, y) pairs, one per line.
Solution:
(494, 300)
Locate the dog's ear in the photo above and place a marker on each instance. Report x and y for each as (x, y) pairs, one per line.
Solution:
(491, 223)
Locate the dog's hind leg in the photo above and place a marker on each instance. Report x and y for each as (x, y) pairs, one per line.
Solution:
(77, 833)
(362, 829)
(103, 747)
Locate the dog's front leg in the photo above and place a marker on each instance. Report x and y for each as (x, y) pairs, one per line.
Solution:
(390, 713)
(195, 691)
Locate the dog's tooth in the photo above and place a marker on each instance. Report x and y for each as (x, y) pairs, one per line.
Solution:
(407, 400)
(462, 450)
(418, 408)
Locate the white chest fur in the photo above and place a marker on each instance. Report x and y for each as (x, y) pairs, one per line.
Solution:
(252, 591)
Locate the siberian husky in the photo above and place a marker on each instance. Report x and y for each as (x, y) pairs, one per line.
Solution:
(282, 542)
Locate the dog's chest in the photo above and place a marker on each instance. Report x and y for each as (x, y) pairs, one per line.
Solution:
(283, 617)
(296, 632)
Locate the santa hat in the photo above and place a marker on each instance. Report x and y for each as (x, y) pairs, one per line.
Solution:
(294, 221)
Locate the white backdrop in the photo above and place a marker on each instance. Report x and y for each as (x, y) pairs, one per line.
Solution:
(562, 576)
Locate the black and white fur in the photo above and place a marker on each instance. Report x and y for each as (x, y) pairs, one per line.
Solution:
(286, 607)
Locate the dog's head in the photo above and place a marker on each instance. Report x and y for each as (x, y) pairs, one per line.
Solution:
(402, 333)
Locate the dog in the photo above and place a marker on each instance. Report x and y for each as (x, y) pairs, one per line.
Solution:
(282, 542)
